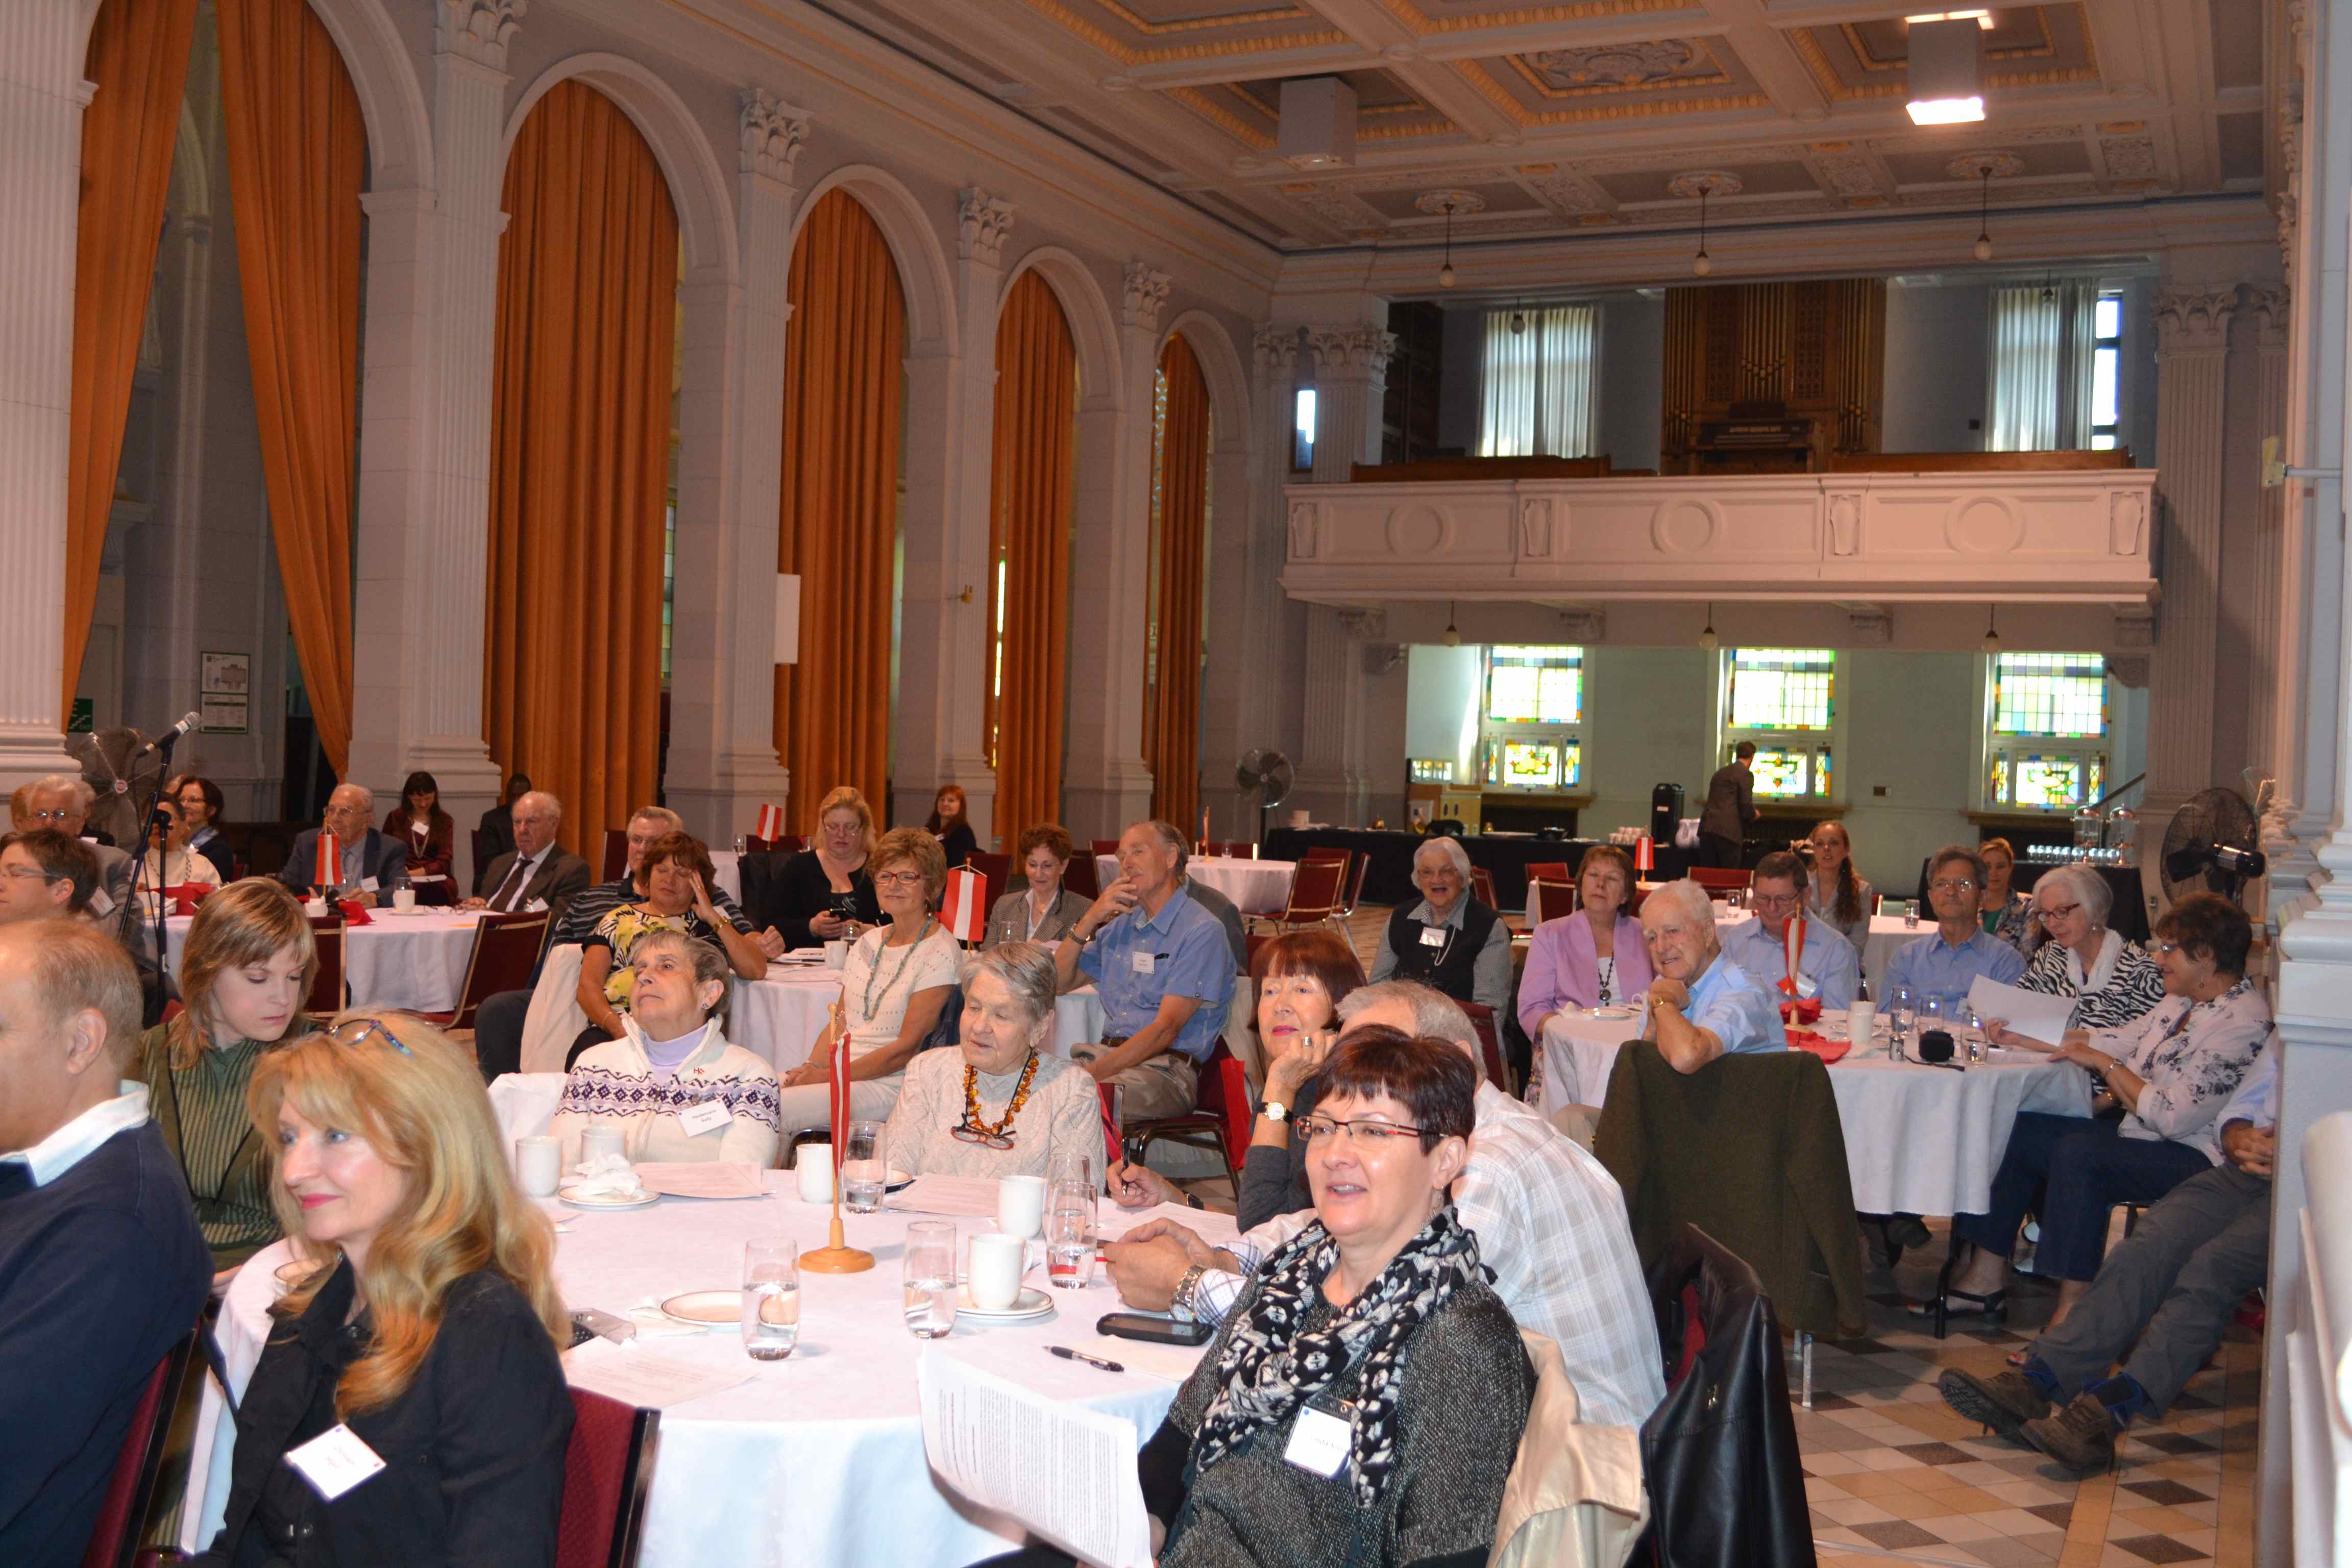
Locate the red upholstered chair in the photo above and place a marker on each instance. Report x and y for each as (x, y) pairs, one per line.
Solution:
(1547, 901)
(1548, 872)
(505, 949)
(1313, 893)
(1482, 887)
(1490, 1044)
(1716, 879)
(1220, 1119)
(326, 997)
(1105, 845)
(607, 1471)
(1080, 876)
(996, 870)
(616, 853)
(123, 1510)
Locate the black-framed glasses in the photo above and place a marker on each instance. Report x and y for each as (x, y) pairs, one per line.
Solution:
(357, 1031)
(29, 873)
(1315, 1129)
(965, 1133)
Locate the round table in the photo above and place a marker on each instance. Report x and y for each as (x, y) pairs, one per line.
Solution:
(1918, 1139)
(817, 1459)
(1255, 886)
(415, 962)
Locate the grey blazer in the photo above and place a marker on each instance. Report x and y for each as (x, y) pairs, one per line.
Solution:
(1008, 920)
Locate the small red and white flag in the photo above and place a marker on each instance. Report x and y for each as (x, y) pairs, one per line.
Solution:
(964, 909)
(329, 872)
(1645, 857)
(1793, 942)
(771, 824)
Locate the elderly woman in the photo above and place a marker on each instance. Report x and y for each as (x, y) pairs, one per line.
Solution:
(2112, 981)
(1448, 940)
(1001, 1103)
(950, 827)
(2006, 914)
(1593, 957)
(895, 980)
(244, 970)
(2170, 1072)
(1835, 896)
(431, 834)
(1701, 1004)
(1045, 911)
(171, 861)
(201, 804)
(673, 1061)
(826, 893)
(674, 884)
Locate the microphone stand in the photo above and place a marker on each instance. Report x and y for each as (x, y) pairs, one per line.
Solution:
(163, 744)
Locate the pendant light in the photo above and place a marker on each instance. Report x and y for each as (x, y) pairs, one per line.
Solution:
(1452, 635)
(1706, 637)
(1702, 264)
(1984, 210)
(1445, 272)
(1991, 643)
(1518, 322)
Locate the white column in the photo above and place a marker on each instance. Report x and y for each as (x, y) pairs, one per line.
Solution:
(1239, 711)
(1106, 784)
(943, 647)
(41, 97)
(722, 754)
(2270, 307)
(1350, 377)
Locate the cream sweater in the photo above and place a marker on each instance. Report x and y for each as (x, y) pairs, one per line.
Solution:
(613, 1085)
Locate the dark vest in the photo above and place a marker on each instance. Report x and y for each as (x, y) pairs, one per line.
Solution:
(1448, 968)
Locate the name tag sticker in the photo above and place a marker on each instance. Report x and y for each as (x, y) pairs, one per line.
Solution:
(707, 1117)
(367, 884)
(533, 907)
(1140, 962)
(101, 902)
(1318, 1443)
(1432, 936)
(334, 1462)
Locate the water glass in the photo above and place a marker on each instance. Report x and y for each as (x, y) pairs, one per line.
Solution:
(771, 1299)
(1074, 1167)
(930, 1278)
(864, 1168)
(1902, 1013)
(1911, 914)
(1069, 1237)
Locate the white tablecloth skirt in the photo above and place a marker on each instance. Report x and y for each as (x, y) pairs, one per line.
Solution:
(1918, 1139)
(817, 1461)
(415, 962)
(1255, 886)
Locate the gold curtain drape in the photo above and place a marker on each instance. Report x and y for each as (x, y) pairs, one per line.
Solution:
(580, 460)
(1171, 714)
(297, 160)
(1029, 531)
(138, 56)
(837, 522)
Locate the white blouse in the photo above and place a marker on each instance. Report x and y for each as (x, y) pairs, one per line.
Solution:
(877, 982)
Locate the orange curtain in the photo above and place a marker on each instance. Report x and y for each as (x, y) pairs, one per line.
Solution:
(837, 523)
(139, 59)
(1029, 531)
(580, 460)
(1171, 714)
(297, 160)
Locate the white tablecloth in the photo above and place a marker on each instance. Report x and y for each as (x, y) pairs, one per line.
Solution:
(1918, 1139)
(817, 1460)
(414, 961)
(1255, 886)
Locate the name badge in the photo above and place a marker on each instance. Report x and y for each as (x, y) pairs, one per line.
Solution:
(334, 1462)
(367, 884)
(1808, 987)
(535, 907)
(1432, 936)
(101, 902)
(1318, 1443)
(708, 1116)
(1140, 962)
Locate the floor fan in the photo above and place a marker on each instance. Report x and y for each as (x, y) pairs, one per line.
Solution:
(1266, 774)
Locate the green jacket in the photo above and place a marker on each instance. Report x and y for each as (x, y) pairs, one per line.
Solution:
(204, 1106)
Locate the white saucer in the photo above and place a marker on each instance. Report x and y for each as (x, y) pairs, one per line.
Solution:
(705, 1309)
(1029, 1306)
(564, 1195)
(1608, 1012)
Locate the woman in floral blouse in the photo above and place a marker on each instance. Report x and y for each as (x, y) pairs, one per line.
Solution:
(2169, 1072)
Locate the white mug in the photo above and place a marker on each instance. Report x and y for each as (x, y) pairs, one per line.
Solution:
(314, 906)
(404, 899)
(595, 1141)
(1859, 1018)
(1021, 1205)
(836, 954)
(813, 1170)
(539, 1166)
(997, 1263)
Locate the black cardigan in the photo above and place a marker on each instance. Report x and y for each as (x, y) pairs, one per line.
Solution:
(473, 1451)
(802, 889)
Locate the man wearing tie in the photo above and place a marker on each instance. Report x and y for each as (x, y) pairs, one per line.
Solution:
(372, 864)
(537, 870)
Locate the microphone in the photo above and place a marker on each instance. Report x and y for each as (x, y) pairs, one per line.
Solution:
(175, 733)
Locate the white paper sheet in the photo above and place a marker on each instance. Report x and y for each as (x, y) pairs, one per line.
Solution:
(2027, 1013)
(959, 1198)
(702, 1179)
(1170, 1363)
(1067, 1472)
(643, 1378)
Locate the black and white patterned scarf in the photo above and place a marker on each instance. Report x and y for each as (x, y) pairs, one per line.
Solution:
(1271, 1365)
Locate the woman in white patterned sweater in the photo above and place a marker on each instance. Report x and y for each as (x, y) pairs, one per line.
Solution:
(2113, 981)
(672, 1083)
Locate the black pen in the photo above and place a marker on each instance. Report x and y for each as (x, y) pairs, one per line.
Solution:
(1067, 1353)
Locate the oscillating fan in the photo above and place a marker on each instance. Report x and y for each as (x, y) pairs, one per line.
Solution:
(118, 764)
(2208, 847)
(1266, 774)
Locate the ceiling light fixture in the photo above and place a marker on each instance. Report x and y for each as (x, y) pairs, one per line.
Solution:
(1982, 18)
(1518, 322)
(1452, 633)
(1706, 637)
(1944, 72)
(1984, 210)
(1702, 264)
(1445, 273)
(1991, 643)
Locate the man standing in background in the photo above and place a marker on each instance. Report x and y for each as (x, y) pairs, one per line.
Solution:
(1730, 810)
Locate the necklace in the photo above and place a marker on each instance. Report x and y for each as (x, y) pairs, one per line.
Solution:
(896, 975)
(975, 1130)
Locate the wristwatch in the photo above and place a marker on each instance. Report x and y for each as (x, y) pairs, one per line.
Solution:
(1274, 1110)
(1180, 1305)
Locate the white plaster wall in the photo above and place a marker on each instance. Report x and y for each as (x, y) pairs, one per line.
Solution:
(1935, 361)
(1441, 703)
(1632, 379)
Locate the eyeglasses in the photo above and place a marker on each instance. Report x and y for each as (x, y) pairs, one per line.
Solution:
(1962, 886)
(1775, 901)
(965, 1133)
(357, 1031)
(2060, 912)
(1313, 1129)
(66, 816)
(30, 874)
(899, 880)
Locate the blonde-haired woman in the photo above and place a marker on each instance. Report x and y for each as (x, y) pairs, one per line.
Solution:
(826, 893)
(244, 972)
(428, 1325)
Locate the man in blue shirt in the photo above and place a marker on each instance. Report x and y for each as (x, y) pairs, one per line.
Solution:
(1164, 970)
(1702, 1005)
(1828, 969)
(1944, 963)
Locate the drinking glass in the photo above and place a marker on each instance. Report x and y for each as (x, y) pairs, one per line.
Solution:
(1069, 1236)
(865, 1168)
(930, 1278)
(1074, 1167)
(771, 1299)
(1911, 914)
(1902, 1013)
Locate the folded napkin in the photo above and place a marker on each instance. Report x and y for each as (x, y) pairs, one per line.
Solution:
(605, 1176)
(355, 912)
(1807, 1010)
(1822, 1045)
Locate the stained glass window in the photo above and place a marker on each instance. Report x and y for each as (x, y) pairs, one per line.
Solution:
(2049, 694)
(1535, 685)
(1783, 688)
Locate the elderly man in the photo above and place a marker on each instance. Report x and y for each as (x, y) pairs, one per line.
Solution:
(372, 864)
(538, 872)
(1701, 1004)
(1828, 969)
(1164, 969)
(1944, 963)
(1730, 810)
(499, 1022)
(1449, 939)
(63, 802)
(102, 1269)
(1549, 1219)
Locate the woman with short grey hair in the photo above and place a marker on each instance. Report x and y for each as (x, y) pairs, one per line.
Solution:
(2112, 981)
(1449, 939)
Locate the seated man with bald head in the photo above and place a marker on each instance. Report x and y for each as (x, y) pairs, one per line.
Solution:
(373, 864)
(1701, 1004)
(538, 872)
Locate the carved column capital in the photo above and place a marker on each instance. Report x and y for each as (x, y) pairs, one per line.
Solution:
(478, 30)
(2272, 308)
(1362, 348)
(772, 134)
(982, 223)
(1275, 347)
(2194, 318)
(1142, 295)
(1370, 624)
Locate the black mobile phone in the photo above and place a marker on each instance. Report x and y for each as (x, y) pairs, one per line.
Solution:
(1157, 1331)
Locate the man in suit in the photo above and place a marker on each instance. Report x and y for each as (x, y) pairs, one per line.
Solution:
(1730, 810)
(537, 870)
(372, 864)
(63, 802)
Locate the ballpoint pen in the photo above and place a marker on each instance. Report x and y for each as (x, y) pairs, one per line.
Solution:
(1067, 1353)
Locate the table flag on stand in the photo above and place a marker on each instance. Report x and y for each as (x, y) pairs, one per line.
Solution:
(1792, 942)
(837, 1087)
(1645, 857)
(771, 824)
(328, 871)
(960, 912)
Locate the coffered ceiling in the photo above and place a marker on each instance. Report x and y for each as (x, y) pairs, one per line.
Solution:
(1548, 119)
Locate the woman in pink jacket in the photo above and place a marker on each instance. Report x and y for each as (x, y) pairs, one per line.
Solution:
(1594, 957)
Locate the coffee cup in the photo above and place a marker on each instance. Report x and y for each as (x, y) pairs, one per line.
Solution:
(836, 954)
(539, 1166)
(596, 1140)
(314, 906)
(814, 1173)
(1021, 1205)
(997, 1263)
(1859, 1018)
(404, 899)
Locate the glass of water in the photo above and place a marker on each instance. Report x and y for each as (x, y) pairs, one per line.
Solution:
(1069, 1236)
(1902, 1012)
(930, 1278)
(865, 1168)
(771, 1299)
